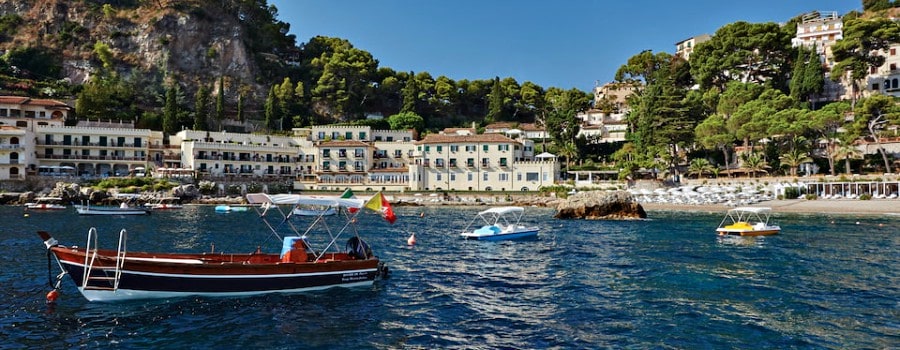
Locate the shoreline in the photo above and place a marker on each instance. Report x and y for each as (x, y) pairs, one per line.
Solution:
(802, 206)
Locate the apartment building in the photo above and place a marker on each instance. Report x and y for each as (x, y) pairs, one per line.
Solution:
(95, 151)
(685, 47)
(19, 117)
(226, 154)
(485, 162)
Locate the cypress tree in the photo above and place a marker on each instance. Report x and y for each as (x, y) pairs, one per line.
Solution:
(220, 102)
(410, 95)
(495, 104)
(170, 112)
(201, 108)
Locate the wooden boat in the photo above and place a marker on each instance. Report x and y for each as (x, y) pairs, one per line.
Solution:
(117, 274)
(88, 209)
(500, 223)
(45, 203)
(748, 221)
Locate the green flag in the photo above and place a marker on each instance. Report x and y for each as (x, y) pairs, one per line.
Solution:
(347, 194)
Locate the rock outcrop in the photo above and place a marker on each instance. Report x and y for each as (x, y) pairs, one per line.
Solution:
(600, 205)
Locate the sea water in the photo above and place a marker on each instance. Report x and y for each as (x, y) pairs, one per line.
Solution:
(827, 281)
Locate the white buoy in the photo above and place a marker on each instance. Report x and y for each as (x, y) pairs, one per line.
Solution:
(412, 239)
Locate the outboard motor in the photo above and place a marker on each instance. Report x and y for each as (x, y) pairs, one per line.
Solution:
(358, 249)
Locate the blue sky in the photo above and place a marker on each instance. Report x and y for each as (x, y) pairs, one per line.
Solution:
(553, 43)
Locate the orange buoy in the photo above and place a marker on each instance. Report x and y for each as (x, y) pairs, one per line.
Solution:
(52, 296)
(412, 239)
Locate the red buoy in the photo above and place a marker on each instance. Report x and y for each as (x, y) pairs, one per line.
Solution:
(52, 296)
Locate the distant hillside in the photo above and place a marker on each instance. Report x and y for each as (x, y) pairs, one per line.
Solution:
(189, 41)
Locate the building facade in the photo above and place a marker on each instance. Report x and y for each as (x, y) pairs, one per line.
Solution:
(19, 119)
(485, 162)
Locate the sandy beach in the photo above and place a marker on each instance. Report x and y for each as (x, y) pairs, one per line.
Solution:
(872, 207)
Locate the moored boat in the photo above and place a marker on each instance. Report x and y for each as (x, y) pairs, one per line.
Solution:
(166, 203)
(124, 209)
(499, 223)
(300, 265)
(45, 203)
(748, 221)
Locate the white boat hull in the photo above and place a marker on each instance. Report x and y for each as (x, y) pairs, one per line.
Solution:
(489, 235)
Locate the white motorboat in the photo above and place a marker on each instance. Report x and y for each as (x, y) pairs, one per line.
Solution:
(124, 209)
(45, 203)
(499, 223)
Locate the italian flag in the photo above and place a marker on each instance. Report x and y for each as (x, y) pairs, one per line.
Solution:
(349, 194)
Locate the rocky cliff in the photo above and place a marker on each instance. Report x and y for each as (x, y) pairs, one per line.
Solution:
(189, 40)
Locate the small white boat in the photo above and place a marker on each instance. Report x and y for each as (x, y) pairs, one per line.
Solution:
(499, 223)
(748, 221)
(104, 210)
(45, 203)
(314, 212)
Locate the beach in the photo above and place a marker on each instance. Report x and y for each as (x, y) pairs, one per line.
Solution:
(848, 206)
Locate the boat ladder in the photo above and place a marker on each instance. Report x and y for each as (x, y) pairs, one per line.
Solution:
(98, 276)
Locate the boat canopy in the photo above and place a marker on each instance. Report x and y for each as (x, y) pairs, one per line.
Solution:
(296, 199)
(756, 210)
(503, 210)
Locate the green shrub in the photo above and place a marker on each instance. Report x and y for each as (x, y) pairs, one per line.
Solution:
(791, 193)
(812, 196)
(865, 197)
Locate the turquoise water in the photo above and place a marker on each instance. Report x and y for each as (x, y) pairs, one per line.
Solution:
(828, 281)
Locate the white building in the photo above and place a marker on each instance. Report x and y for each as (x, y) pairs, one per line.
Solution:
(486, 162)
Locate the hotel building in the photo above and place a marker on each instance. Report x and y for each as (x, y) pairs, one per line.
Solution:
(485, 162)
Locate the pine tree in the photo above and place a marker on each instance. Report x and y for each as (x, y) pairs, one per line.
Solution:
(495, 104)
(271, 109)
(201, 108)
(170, 111)
(409, 94)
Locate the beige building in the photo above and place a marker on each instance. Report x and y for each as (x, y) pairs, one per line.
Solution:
(94, 151)
(486, 162)
(19, 118)
(821, 31)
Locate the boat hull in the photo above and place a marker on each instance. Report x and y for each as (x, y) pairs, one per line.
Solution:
(726, 232)
(501, 236)
(151, 275)
(111, 211)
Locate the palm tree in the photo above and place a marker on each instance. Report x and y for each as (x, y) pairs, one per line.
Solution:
(793, 159)
(699, 166)
(847, 152)
(754, 163)
(569, 151)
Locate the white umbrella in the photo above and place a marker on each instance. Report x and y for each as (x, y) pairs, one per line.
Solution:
(545, 155)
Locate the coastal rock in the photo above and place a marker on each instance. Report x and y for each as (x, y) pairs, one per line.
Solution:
(188, 191)
(600, 205)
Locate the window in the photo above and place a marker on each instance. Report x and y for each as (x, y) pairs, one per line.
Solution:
(439, 163)
(469, 177)
(470, 148)
(438, 177)
(875, 87)
(342, 153)
(504, 177)
(348, 135)
(326, 153)
(452, 162)
(390, 139)
(893, 66)
(321, 135)
(326, 165)
(485, 162)
(518, 176)
(502, 161)
(440, 149)
(485, 176)
(362, 135)
(893, 50)
(485, 148)
(427, 148)
(470, 163)
(454, 148)
(398, 153)
(531, 176)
